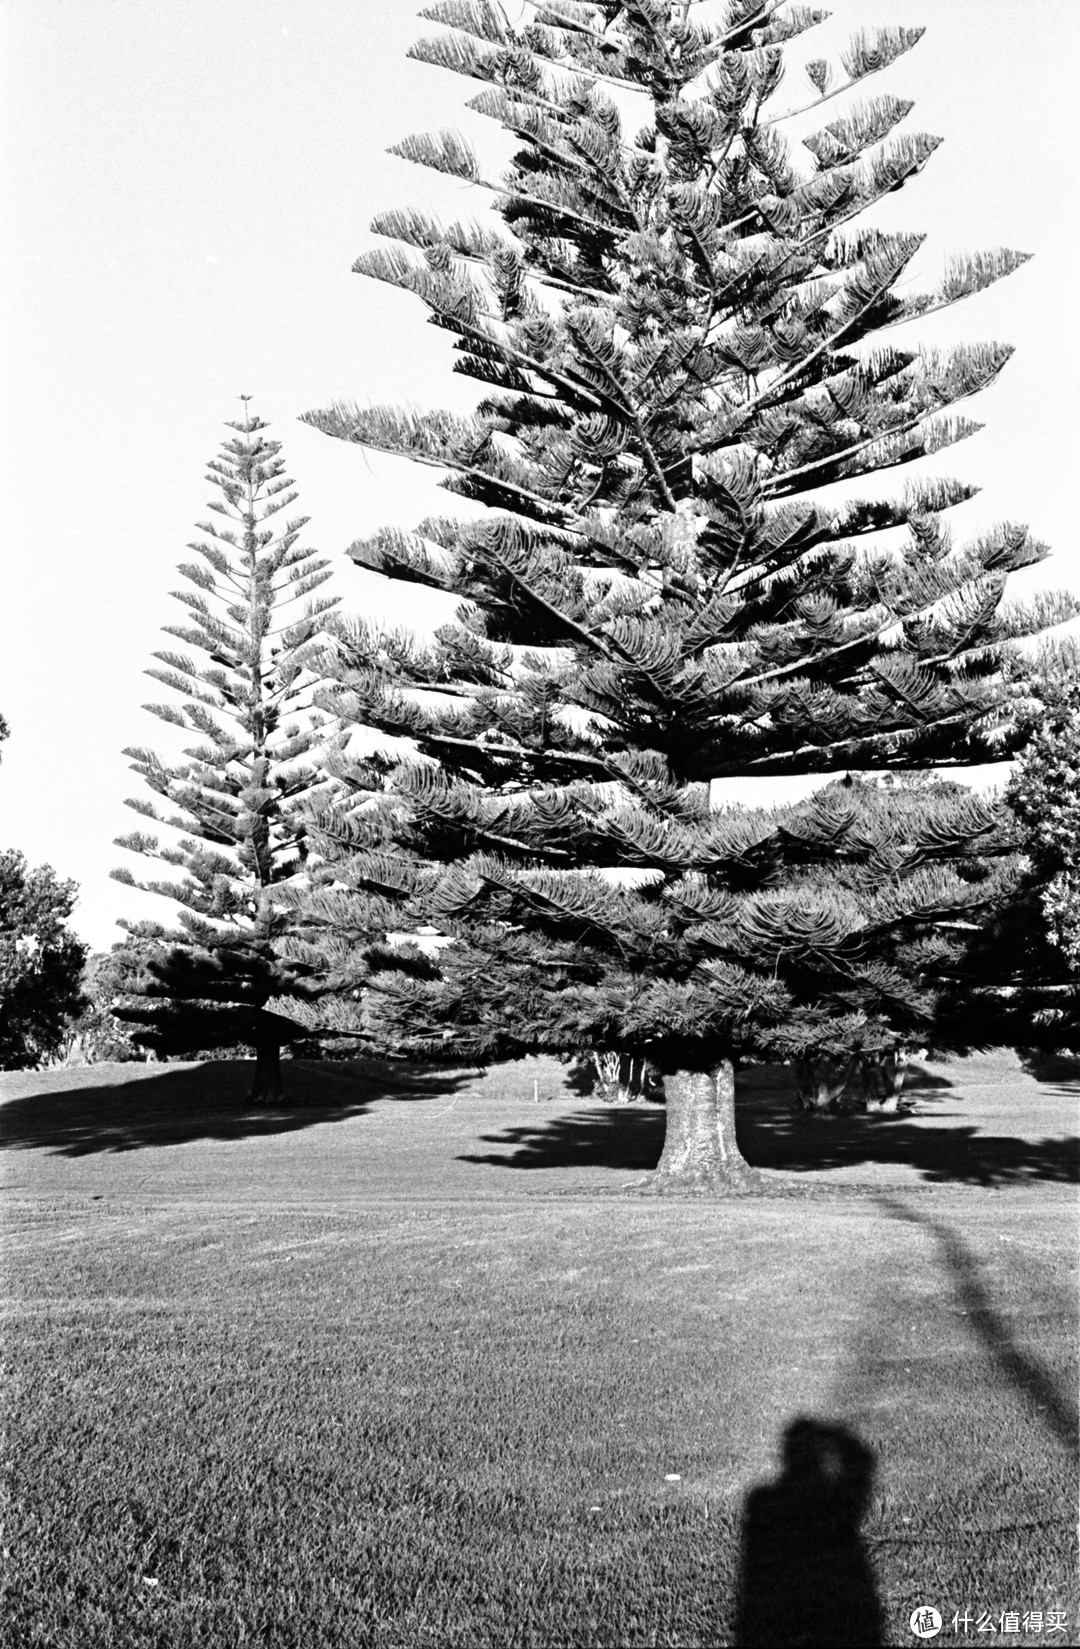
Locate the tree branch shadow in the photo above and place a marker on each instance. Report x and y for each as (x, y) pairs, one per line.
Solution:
(629, 1138)
(772, 1134)
(961, 1154)
(131, 1108)
(1062, 1069)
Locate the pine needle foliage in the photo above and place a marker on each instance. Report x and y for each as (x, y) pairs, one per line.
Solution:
(1044, 795)
(238, 796)
(687, 336)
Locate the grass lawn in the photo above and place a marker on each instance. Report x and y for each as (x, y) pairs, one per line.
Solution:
(412, 1365)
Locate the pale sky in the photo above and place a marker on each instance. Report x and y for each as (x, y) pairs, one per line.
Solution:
(185, 188)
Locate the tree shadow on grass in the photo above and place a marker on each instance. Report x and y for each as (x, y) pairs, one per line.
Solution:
(1062, 1069)
(957, 1154)
(626, 1138)
(1054, 1407)
(771, 1134)
(80, 1114)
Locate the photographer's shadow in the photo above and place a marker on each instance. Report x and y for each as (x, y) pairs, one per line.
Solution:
(805, 1578)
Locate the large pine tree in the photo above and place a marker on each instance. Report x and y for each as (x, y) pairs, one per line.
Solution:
(239, 794)
(687, 339)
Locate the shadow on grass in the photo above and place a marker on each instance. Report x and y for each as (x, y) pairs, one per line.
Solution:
(1062, 1069)
(772, 1135)
(805, 1576)
(959, 1153)
(1053, 1407)
(620, 1137)
(174, 1106)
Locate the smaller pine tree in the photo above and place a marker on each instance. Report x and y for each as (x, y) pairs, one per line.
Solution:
(217, 981)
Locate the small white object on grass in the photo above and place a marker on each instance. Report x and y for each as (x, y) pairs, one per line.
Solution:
(672, 1477)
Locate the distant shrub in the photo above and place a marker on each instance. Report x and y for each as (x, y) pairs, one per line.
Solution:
(1044, 793)
(41, 962)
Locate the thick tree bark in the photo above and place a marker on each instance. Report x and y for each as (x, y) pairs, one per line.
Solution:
(700, 1153)
(266, 1086)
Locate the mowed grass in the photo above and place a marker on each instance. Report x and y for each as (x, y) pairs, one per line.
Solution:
(248, 1408)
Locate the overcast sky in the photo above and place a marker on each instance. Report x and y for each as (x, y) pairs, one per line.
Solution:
(186, 186)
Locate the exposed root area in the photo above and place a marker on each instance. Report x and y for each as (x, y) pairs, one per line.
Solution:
(741, 1182)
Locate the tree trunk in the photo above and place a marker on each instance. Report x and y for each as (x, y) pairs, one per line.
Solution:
(885, 1082)
(700, 1153)
(266, 1086)
(821, 1084)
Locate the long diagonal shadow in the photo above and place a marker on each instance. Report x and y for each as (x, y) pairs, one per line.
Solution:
(1052, 1406)
(807, 1578)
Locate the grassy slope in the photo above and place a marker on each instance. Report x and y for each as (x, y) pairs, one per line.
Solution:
(371, 1129)
(335, 1381)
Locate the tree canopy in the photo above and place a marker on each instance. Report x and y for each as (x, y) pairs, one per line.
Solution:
(696, 348)
(41, 962)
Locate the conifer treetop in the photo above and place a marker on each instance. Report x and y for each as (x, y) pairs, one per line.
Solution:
(233, 791)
